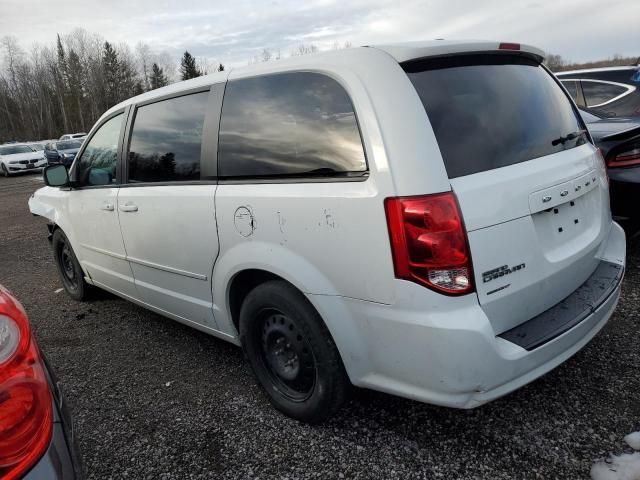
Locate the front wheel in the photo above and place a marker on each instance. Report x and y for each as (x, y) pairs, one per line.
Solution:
(5, 171)
(69, 268)
(292, 353)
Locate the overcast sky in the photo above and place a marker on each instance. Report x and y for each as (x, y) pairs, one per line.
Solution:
(232, 31)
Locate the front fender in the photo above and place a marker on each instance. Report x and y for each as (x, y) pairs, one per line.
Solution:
(49, 202)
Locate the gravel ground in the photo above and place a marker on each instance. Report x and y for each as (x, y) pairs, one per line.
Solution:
(154, 399)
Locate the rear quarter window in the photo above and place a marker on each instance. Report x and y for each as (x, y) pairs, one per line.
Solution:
(491, 111)
(288, 124)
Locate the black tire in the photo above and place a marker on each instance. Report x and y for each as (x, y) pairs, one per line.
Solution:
(5, 171)
(303, 374)
(69, 268)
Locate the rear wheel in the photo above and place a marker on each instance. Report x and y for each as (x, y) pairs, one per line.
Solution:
(292, 353)
(69, 268)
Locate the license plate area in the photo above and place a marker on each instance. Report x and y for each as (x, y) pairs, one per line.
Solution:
(567, 219)
(569, 227)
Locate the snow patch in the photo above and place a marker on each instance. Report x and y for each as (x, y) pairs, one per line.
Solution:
(617, 467)
(633, 440)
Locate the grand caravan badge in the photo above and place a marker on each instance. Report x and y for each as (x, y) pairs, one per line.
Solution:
(501, 272)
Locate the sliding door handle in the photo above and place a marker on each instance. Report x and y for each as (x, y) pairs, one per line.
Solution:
(128, 207)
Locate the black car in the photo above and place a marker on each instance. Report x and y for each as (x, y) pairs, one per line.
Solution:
(606, 92)
(619, 141)
(36, 434)
(63, 151)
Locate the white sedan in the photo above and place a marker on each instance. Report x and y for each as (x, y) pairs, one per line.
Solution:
(16, 158)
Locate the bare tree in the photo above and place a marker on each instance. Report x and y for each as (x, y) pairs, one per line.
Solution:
(554, 62)
(145, 60)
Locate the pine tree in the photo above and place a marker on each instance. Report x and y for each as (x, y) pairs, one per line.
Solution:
(62, 61)
(111, 68)
(188, 67)
(127, 80)
(157, 78)
(76, 83)
(138, 88)
(61, 82)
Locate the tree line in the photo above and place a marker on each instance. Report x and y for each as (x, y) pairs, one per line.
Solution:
(557, 63)
(65, 87)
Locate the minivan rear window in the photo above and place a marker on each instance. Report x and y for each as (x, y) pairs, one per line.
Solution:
(490, 111)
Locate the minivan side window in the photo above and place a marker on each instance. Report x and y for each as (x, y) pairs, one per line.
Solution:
(166, 140)
(98, 163)
(288, 124)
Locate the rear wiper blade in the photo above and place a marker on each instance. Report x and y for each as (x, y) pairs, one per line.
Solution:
(568, 137)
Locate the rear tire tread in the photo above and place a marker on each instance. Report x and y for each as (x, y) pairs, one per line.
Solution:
(332, 383)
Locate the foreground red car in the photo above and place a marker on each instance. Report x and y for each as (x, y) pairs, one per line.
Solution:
(36, 438)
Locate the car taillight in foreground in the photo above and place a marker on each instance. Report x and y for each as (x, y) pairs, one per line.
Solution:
(626, 158)
(429, 242)
(26, 414)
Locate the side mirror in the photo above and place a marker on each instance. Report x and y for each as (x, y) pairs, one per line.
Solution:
(56, 176)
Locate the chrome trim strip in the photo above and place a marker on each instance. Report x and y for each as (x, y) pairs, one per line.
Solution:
(184, 273)
(104, 252)
(144, 263)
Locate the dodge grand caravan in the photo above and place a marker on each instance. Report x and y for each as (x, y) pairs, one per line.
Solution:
(400, 218)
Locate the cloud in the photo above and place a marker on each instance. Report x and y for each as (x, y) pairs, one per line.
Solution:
(233, 32)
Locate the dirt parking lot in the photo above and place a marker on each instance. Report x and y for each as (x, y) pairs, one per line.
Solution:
(154, 399)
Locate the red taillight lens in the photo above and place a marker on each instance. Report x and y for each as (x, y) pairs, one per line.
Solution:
(429, 242)
(627, 158)
(509, 46)
(26, 413)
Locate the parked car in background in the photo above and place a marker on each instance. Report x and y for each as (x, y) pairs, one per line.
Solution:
(62, 151)
(619, 141)
(37, 146)
(340, 237)
(71, 136)
(36, 432)
(16, 158)
(606, 92)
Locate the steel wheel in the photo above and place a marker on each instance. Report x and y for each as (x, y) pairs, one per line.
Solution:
(287, 356)
(68, 268)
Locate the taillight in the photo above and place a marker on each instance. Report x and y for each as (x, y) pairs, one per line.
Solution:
(429, 242)
(603, 164)
(26, 414)
(626, 158)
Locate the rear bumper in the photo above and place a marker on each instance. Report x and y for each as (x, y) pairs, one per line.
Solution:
(57, 463)
(446, 352)
(62, 460)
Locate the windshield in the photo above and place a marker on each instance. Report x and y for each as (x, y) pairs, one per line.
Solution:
(490, 111)
(37, 146)
(69, 145)
(13, 149)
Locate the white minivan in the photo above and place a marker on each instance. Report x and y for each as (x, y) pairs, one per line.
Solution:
(427, 219)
